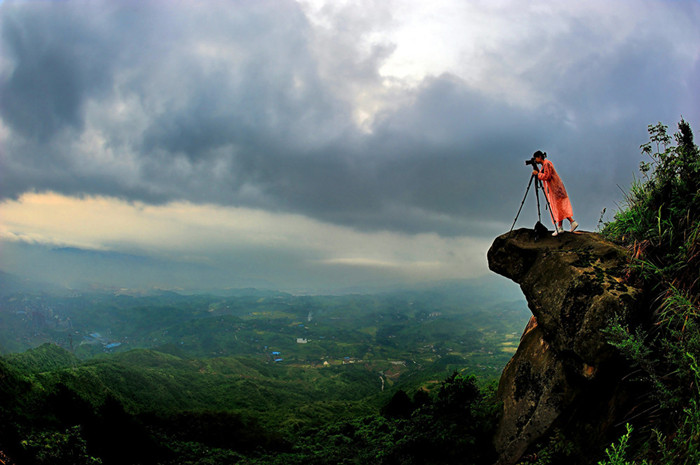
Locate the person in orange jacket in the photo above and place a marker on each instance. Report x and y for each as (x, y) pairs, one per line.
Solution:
(555, 192)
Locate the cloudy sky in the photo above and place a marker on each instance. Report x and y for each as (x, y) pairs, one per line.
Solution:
(313, 145)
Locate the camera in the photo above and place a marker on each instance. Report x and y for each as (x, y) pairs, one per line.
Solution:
(532, 162)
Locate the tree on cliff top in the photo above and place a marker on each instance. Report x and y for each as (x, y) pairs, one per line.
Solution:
(660, 223)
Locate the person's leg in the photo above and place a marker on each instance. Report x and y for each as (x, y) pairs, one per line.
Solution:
(558, 227)
(573, 223)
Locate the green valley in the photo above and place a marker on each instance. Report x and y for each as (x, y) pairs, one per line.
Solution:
(249, 377)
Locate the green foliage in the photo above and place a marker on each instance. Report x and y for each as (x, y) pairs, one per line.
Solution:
(58, 448)
(617, 453)
(54, 423)
(46, 357)
(455, 425)
(558, 449)
(633, 344)
(660, 225)
(193, 380)
(15, 395)
(660, 220)
(683, 446)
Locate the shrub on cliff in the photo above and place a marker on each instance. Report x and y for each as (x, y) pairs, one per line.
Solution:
(661, 219)
(661, 224)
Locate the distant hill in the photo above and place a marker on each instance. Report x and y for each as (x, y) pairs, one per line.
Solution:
(148, 381)
(12, 284)
(409, 329)
(46, 357)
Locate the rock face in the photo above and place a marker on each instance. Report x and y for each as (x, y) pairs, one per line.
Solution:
(564, 374)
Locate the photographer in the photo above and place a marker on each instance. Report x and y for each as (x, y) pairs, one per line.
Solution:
(556, 193)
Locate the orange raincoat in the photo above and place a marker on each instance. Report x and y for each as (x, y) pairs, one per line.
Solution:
(555, 192)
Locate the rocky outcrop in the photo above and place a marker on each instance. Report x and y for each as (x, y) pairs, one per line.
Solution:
(564, 374)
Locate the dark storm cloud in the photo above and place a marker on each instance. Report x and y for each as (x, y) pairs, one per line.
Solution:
(236, 104)
(58, 62)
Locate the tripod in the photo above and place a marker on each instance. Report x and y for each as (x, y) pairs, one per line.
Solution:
(538, 186)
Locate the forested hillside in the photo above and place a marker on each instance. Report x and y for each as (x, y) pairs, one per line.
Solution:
(391, 332)
(252, 377)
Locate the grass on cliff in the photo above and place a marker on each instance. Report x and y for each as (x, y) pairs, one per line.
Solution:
(660, 223)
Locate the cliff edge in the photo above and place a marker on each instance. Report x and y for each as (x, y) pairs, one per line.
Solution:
(564, 375)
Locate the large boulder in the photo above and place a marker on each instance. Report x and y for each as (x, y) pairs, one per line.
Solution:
(564, 374)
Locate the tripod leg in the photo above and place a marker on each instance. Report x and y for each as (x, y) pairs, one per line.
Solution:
(523, 202)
